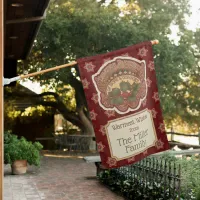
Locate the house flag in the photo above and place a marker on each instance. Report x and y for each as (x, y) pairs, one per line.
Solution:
(123, 101)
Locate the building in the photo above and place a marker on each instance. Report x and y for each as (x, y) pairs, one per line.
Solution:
(20, 21)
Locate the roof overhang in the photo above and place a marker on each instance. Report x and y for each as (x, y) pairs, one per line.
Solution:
(22, 22)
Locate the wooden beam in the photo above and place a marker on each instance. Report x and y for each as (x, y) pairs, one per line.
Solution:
(25, 20)
(182, 134)
(1, 95)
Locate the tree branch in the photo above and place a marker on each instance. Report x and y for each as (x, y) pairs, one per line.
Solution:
(46, 103)
(68, 115)
(48, 93)
(37, 99)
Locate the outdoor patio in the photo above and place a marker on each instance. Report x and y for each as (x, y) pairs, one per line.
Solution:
(56, 179)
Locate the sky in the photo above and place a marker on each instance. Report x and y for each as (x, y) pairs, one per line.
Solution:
(194, 20)
(193, 23)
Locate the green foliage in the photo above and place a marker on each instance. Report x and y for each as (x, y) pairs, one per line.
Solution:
(75, 29)
(10, 115)
(190, 174)
(21, 149)
(140, 189)
(135, 188)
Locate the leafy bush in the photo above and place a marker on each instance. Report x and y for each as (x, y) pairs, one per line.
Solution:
(190, 174)
(133, 187)
(21, 149)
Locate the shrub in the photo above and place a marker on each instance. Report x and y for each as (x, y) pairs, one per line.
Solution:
(21, 149)
(190, 175)
(133, 187)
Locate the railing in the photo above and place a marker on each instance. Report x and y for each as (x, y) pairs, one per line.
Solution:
(73, 143)
(158, 176)
(175, 153)
(173, 134)
(76, 143)
(183, 134)
(151, 177)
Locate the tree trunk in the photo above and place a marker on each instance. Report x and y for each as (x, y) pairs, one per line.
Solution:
(88, 127)
(79, 119)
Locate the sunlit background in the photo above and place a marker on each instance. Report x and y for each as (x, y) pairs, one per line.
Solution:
(193, 23)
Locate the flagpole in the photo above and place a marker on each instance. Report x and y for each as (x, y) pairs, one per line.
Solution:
(154, 42)
(48, 70)
(8, 81)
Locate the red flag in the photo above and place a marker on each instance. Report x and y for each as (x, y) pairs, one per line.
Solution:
(123, 101)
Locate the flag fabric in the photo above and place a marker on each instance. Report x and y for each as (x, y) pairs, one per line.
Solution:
(124, 105)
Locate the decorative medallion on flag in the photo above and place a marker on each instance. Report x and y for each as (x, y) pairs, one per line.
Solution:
(122, 96)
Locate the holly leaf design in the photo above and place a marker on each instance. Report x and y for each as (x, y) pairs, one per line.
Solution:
(135, 87)
(114, 93)
(131, 98)
(117, 101)
(124, 86)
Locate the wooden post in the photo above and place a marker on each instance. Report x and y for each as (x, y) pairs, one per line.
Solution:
(172, 134)
(1, 94)
(199, 136)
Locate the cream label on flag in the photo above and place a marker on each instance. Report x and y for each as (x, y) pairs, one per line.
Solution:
(122, 96)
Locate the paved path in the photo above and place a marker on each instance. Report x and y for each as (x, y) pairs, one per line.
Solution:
(56, 179)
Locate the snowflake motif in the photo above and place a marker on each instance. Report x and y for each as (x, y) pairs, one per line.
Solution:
(151, 66)
(95, 98)
(142, 52)
(89, 67)
(110, 113)
(154, 113)
(144, 102)
(148, 81)
(145, 152)
(102, 130)
(93, 115)
(100, 147)
(125, 55)
(131, 159)
(159, 144)
(85, 83)
(106, 60)
(111, 162)
(156, 96)
(162, 127)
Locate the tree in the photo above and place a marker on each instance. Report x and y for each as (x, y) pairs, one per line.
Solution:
(76, 29)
